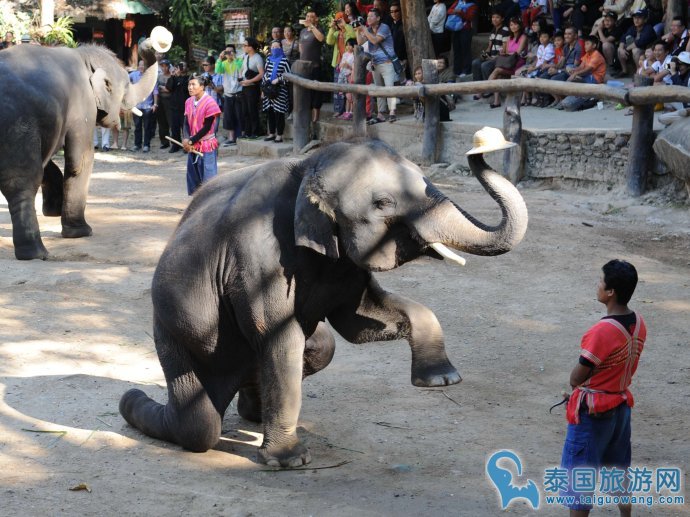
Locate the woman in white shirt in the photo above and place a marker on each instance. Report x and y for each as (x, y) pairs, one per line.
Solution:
(437, 22)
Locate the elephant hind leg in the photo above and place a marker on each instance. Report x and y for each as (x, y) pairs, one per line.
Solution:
(52, 190)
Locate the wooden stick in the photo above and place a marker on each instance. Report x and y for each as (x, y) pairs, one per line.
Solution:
(180, 144)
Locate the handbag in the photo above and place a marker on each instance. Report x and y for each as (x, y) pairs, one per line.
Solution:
(507, 61)
(397, 65)
(270, 90)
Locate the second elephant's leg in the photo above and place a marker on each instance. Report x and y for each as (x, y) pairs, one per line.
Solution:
(382, 316)
(51, 188)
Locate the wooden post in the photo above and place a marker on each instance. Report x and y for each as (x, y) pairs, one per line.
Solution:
(640, 149)
(301, 111)
(417, 33)
(432, 114)
(359, 116)
(513, 159)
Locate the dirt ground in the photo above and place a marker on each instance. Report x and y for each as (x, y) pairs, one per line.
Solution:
(75, 333)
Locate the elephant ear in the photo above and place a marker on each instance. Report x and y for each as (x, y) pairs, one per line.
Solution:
(314, 222)
(102, 88)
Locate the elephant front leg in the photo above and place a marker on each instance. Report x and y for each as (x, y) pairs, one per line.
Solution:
(382, 316)
(281, 397)
(78, 167)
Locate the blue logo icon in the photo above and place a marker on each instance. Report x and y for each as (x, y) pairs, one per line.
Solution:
(503, 480)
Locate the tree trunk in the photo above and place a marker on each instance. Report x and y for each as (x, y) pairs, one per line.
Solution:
(47, 13)
(641, 142)
(417, 33)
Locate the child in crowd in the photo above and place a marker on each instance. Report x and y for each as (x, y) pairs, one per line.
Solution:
(599, 407)
(545, 58)
(645, 62)
(418, 76)
(347, 65)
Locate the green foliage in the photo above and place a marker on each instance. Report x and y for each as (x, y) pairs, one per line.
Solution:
(59, 33)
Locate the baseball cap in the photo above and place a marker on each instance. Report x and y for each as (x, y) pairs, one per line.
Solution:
(684, 57)
(640, 12)
(610, 14)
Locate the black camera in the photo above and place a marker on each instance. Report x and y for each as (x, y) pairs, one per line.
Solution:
(359, 21)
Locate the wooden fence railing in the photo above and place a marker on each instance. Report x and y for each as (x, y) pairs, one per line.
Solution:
(641, 98)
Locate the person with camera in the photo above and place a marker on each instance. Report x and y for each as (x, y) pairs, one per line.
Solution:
(177, 85)
(379, 40)
(338, 34)
(252, 74)
(229, 66)
(679, 68)
(485, 64)
(678, 37)
(311, 40)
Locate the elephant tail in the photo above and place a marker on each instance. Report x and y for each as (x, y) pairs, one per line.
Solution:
(144, 413)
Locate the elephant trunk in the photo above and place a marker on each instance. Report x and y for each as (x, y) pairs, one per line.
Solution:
(139, 91)
(456, 228)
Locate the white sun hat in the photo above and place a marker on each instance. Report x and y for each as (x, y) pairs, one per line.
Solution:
(489, 139)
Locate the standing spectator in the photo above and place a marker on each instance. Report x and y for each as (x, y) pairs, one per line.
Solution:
(347, 65)
(485, 64)
(276, 106)
(351, 12)
(229, 67)
(437, 25)
(253, 73)
(635, 41)
(200, 112)
(277, 33)
(462, 39)
(585, 13)
(311, 40)
(399, 37)
(380, 5)
(178, 86)
(609, 34)
(8, 41)
(163, 111)
(515, 45)
(338, 34)
(678, 37)
(290, 45)
(145, 124)
(379, 40)
(214, 86)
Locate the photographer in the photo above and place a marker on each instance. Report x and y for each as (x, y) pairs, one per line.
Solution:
(229, 66)
(680, 76)
(338, 34)
(311, 40)
(177, 85)
(379, 41)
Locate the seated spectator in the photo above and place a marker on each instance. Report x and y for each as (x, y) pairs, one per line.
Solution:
(515, 45)
(634, 42)
(437, 24)
(609, 34)
(660, 70)
(680, 76)
(485, 64)
(445, 73)
(617, 7)
(561, 70)
(584, 15)
(537, 27)
(645, 62)
(545, 57)
(678, 37)
(592, 70)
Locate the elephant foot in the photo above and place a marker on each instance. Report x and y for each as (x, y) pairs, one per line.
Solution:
(443, 374)
(74, 232)
(249, 404)
(293, 455)
(31, 251)
(52, 209)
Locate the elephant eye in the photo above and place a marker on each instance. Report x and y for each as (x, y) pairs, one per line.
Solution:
(383, 203)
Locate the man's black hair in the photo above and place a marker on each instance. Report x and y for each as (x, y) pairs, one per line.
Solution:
(621, 276)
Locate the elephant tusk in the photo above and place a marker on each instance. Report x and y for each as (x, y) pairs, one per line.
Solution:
(447, 253)
(136, 111)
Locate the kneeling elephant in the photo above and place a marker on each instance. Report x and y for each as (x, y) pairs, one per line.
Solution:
(264, 255)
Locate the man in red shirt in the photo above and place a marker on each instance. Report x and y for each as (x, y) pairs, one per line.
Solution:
(599, 407)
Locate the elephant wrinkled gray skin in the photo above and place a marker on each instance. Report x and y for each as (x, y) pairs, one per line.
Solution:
(53, 98)
(264, 255)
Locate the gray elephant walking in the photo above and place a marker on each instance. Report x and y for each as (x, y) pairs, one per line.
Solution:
(263, 256)
(53, 98)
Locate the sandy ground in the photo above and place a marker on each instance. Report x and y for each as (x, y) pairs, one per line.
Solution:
(75, 333)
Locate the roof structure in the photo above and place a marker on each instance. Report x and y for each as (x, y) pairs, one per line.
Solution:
(79, 10)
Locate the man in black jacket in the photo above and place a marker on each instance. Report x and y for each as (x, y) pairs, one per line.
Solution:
(399, 36)
(178, 87)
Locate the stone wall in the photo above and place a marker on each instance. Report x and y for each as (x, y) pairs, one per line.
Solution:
(596, 156)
